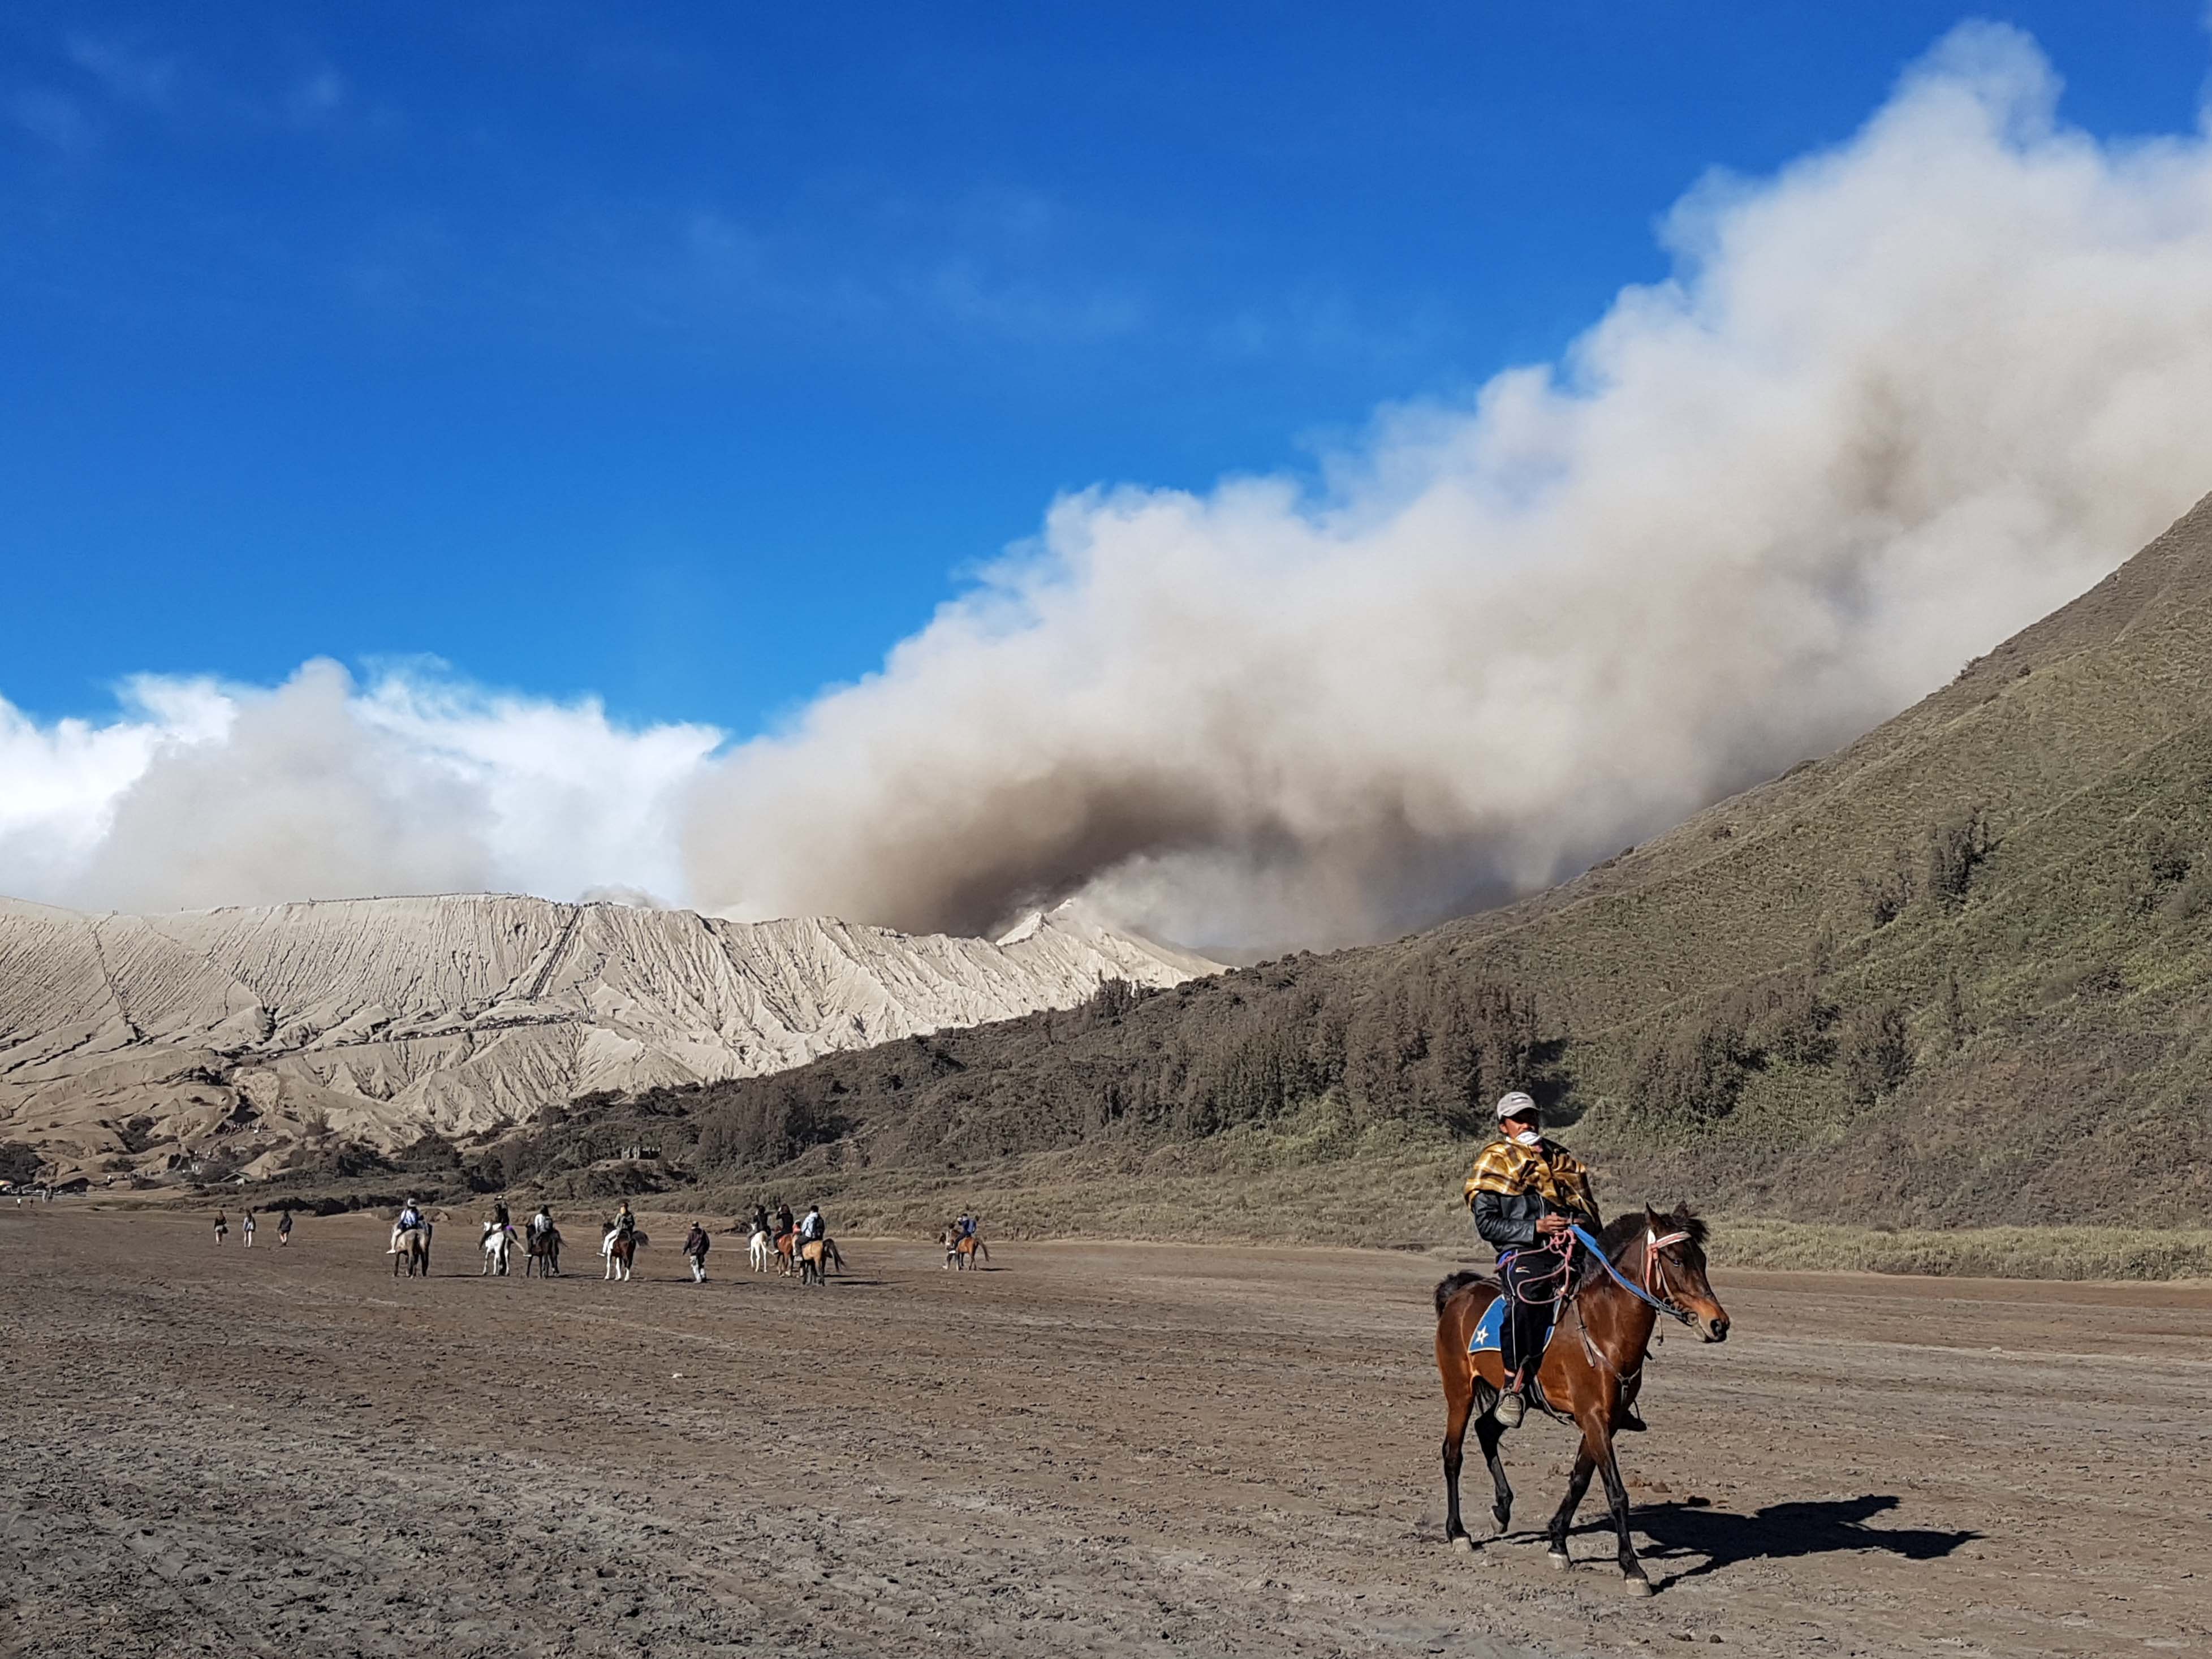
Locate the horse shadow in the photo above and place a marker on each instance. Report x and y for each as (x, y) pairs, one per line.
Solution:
(1784, 1532)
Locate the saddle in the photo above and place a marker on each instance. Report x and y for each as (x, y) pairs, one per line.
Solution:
(1489, 1337)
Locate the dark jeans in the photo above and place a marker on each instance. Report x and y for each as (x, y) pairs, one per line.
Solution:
(1527, 1273)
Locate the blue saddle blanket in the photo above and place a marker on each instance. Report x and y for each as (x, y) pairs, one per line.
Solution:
(1488, 1329)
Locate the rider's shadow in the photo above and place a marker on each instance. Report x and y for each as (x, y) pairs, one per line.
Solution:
(1781, 1531)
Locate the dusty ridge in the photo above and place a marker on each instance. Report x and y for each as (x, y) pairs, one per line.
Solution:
(377, 1019)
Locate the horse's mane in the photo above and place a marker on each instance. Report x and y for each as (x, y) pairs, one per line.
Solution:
(1624, 1229)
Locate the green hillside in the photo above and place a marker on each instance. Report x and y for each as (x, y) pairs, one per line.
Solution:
(1958, 973)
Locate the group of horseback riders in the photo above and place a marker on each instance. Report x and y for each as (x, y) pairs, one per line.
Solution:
(622, 1228)
(780, 1224)
(541, 1236)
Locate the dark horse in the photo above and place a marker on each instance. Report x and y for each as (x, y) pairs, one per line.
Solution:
(542, 1251)
(1591, 1369)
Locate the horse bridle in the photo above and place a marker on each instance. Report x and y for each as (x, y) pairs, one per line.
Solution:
(1652, 1291)
(1655, 1268)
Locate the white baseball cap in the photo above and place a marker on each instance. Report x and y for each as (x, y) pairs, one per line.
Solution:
(1516, 1104)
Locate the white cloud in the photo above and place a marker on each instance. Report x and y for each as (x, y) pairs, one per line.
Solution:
(198, 794)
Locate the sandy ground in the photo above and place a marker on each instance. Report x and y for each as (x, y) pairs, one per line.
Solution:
(1088, 1450)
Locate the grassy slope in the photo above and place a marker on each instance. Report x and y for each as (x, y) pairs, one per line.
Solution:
(2082, 951)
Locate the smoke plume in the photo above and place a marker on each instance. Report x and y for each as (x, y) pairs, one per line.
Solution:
(1894, 403)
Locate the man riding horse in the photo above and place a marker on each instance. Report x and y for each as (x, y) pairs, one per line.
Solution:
(1525, 1192)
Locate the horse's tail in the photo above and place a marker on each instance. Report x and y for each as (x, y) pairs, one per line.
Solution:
(1452, 1283)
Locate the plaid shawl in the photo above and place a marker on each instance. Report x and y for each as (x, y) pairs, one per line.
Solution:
(1505, 1166)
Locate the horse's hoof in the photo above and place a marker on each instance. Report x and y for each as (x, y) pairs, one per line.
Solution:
(1463, 1544)
(1633, 1585)
(1499, 1523)
(1561, 1561)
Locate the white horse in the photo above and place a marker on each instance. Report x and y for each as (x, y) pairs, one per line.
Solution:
(761, 1249)
(498, 1244)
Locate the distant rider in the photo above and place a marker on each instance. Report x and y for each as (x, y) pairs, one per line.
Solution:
(811, 1228)
(1525, 1190)
(623, 1226)
(410, 1218)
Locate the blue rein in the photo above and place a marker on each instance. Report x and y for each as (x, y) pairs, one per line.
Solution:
(1634, 1290)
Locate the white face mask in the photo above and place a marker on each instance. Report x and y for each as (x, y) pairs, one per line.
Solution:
(1528, 1138)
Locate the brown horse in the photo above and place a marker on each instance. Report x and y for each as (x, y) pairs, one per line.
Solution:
(542, 1252)
(1592, 1367)
(815, 1260)
(965, 1251)
(622, 1252)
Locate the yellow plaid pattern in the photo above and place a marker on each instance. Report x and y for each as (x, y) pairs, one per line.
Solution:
(1506, 1167)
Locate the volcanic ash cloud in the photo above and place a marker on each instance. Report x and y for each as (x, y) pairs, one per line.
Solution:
(1895, 402)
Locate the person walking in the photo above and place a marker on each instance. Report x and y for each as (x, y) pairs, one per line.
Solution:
(696, 1245)
(222, 1227)
(246, 1226)
(283, 1230)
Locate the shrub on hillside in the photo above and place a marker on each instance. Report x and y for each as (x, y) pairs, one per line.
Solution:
(2190, 899)
(1955, 849)
(1695, 1070)
(1886, 894)
(769, 1126)
(1792, 1020)
(1876, 1051)
(1113, 1001)
(2170, 858)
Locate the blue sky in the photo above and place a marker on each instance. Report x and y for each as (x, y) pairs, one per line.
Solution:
(690, 355)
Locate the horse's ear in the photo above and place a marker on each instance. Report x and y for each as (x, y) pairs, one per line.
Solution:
(1651, 1217)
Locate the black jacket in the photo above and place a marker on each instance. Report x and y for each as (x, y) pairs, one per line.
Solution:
(1507, 1221)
